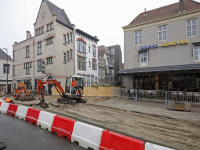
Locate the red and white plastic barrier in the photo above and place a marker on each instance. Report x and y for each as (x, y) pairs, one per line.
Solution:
(45, 120)
(63, 126)
(21, 112)
(32, 115)
(87, 135)
(4, 108)
(12, 109)
(116, 141)
(151, 146)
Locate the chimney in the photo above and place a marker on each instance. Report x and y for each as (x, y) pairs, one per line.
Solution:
(15, 42)
(95, 36)
(181, 6)
(145, 12)
(74, 26)
(28, 35)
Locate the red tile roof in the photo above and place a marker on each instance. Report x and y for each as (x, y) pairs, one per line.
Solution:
(165, 11)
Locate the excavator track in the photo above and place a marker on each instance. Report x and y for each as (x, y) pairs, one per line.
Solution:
(66, 101)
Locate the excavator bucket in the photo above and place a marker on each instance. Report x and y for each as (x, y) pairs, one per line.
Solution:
(23, 97)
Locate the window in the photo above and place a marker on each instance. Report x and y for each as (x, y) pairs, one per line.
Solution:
(143, 59)
(39, 31)
(49, 41)
(39, 47)
(103, 62)
(67, 55)
(94, 50)
(27, 68)
(81, 63)
(49, 60)
(112, 51)
(6, 67)
(70, 55)
(81, 47)
(89, 64)
(113, 60)
(71, 37)
(67, 38)
(94, 65)
(64, 39)
(39, 65)
(191, 27)
(138, 37)
(95, 79)
(196, 51)
(64, 57)
(84, 80)
(99, 73)
(27, 51)
(49, 26)
(88, 48)
(88, 80)
(162, 33)
(92, 79)
(100, 62)
(13, 70)
(103, 74)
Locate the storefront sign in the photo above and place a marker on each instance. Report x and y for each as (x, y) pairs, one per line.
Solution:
(148, 47)
(181, 42)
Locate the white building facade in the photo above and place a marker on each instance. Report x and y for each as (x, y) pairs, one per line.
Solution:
(4, 68)
(86, 57)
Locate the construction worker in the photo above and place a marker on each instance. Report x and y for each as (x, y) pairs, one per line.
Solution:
(21, 86)
(74, 85)
(9, 101)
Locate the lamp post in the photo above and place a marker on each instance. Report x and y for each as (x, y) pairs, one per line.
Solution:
(7, 69)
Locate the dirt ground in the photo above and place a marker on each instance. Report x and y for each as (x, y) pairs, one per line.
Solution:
(183, 134)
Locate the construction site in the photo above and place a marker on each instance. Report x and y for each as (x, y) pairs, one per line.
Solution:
(143, 119)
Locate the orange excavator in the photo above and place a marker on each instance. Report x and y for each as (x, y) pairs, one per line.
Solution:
(21, 93)
(71, 95)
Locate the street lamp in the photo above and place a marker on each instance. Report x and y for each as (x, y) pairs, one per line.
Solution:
(7, 69)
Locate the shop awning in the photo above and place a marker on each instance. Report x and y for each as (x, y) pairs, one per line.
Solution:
(161, 68)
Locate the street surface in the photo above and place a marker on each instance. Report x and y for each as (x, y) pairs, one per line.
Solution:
(20, 135)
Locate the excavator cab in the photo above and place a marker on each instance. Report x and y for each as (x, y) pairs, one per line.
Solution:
(74, 86)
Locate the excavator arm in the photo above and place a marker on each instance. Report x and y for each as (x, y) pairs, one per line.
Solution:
(41, 90)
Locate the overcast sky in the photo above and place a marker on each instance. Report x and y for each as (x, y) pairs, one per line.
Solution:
(103, 18)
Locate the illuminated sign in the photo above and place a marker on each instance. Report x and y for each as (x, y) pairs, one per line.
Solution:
(148, 47)
(181, 42)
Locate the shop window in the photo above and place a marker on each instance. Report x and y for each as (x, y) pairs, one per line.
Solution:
(138, 37)
(191, 27)
(143, 59)
(162, 33)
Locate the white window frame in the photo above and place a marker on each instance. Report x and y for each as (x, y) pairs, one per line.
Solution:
(162, 31)
(198, 51)
(39, 47)
(136, 36)
(112, 51)
(142, 58)
(191, 27)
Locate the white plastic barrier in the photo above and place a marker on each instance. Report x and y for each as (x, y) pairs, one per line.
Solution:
(45, 120)
(21, 112)
(150, 146)
(4, 107)
(87, 135)
(2, 101)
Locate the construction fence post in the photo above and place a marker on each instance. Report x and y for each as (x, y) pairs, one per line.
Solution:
(136, 96)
